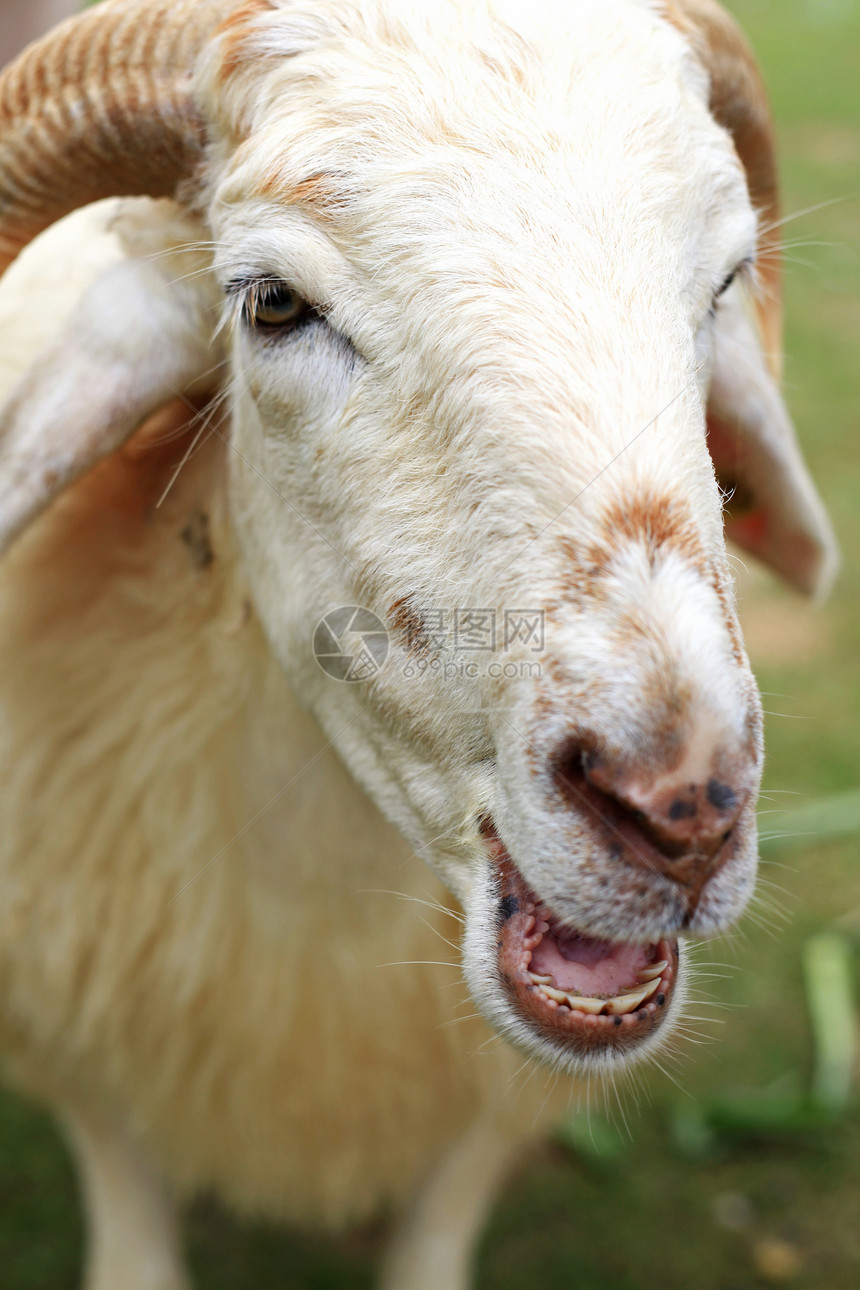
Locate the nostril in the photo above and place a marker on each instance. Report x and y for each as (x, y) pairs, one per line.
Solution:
(721, 797)
(591, 783)
(579, 776)
(681, 810)
(682, 827)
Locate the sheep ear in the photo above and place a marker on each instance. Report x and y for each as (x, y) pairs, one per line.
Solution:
(774, 511)
(738, 101)
(772, 508)
(134, 343)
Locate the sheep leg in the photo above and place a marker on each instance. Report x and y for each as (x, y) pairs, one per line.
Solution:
(434, 1244)
(133, 1237)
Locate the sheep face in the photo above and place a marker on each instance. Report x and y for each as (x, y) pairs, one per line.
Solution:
(471, 340)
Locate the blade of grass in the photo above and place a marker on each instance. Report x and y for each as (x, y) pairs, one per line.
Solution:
(827, 969)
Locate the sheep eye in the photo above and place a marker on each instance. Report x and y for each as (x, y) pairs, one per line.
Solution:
(275, 305)
(721, 291)
(744, 268)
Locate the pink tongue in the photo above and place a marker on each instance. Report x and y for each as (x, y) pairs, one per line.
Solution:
(588, 966)
(581, 949)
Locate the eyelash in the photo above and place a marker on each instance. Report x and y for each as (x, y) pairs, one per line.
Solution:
(743, 270)
(258, 297)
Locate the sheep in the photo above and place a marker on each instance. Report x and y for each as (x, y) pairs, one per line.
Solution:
(366, 612)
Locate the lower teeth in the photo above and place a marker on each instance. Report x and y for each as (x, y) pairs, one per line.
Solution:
(615, 1006)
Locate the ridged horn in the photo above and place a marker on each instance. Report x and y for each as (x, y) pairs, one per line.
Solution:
(101, 107)
(739, 103)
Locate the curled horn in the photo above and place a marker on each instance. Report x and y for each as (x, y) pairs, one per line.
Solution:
(101, 107)
(739, 103)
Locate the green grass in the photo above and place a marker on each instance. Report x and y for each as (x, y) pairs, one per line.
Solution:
(680, 1205)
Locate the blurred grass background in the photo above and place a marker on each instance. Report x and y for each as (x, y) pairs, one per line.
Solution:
(730, 1177)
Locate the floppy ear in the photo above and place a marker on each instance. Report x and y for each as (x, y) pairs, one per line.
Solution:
(772, 509)
(774, 512)
(138, 338)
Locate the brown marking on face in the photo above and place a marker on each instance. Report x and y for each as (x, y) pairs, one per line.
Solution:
(666, 700)
(555, 672)
(660, 523)
(324, 194)
(739, 103)
(546, 702)
(408, 622)
(664, 524)
(579, 577)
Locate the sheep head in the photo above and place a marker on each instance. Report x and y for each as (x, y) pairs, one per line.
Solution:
(493, 275)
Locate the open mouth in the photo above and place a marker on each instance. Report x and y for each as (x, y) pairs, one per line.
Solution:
(575, 990)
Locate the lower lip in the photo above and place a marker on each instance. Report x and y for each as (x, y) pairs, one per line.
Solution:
(577, 1030)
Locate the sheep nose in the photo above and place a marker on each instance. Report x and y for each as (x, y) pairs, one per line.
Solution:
(673, 824)
(679, 817)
